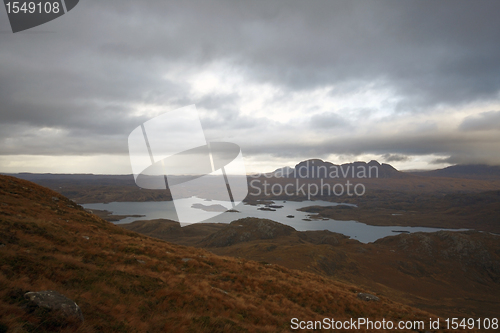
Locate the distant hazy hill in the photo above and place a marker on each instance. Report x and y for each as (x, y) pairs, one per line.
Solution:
(316, 168)
(52, 179)
(282, 171)
(88, 188)
(470, 171)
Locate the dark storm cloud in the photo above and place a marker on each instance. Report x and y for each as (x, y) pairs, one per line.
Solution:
(455, 148)
(430, 52)
(107, 57)
(328, 121)
(485, 121)
(394, 158)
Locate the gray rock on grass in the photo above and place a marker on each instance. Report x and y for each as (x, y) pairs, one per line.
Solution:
(368, 297)
(55, 301)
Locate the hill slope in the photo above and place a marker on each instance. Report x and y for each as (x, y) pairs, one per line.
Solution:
(453, 274)
(126, 282)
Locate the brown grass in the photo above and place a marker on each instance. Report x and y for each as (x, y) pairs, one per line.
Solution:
(45, 247)
(453, 274)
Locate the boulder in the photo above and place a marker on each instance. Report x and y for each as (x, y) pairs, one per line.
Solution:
(54, 301)
(368, 297)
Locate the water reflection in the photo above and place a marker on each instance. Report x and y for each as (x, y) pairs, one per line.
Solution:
(287, 214)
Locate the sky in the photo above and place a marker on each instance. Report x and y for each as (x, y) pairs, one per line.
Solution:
(412, 83)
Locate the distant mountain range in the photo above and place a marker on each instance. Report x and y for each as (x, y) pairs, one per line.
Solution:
(316, 168)
(312, 168)
(468, 171)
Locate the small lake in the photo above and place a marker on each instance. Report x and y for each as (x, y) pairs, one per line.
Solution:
(356, 230)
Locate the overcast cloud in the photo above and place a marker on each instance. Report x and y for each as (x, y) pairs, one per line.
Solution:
(413, 83)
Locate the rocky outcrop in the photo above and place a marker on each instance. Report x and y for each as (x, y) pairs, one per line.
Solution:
(322, 237)
(368, 297)
(54, 301)
(247, 229)
(477, 254)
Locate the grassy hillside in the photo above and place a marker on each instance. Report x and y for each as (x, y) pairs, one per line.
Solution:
(453, 274)
(126, 282)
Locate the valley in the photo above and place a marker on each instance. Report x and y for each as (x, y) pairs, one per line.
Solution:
(447, 273)
(124, 281)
